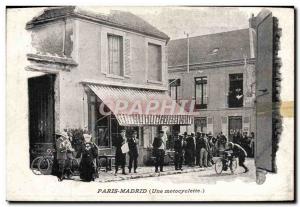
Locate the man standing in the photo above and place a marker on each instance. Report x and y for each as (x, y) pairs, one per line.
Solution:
(62, 146)
(198, 138)
(159, 151)
(133, 151)
(203, 151)
(178, 147)
(120, 157)
(190, 150)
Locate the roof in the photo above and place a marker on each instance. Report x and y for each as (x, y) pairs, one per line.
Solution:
(225, 46)
(116, 18)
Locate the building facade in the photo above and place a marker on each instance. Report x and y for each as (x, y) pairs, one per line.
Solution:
(220, 80)
(81, 60)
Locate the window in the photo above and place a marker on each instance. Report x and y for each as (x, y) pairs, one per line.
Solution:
(115, 55)
(201, 93)
(173, 88)
(154, 62)
(235, 94)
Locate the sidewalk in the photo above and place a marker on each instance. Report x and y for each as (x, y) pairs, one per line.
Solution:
(144, 172)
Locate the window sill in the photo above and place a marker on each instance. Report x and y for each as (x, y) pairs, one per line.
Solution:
(114, 76)
(155, 82)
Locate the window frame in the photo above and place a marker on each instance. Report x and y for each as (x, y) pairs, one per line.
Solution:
(203, 104)
(174, 83)
(122, 65)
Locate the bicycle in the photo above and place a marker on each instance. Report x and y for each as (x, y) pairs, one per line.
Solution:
(42, 165)
(225, 162)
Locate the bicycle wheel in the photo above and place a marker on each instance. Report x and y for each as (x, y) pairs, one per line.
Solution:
(219, 166)
(233, 166)
(35, 166)
(44, 166)
(74, 166)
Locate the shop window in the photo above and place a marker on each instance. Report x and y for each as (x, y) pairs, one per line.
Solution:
(235, 94)
(99, 125)
(115, 55)
(201, 92)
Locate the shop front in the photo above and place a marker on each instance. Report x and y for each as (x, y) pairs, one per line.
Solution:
(111, 108)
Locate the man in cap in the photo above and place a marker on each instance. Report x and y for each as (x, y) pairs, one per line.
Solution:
(62, 146)
(178, 147)
(159, 151)
(120, 157)
(190, 150)
(133, 151)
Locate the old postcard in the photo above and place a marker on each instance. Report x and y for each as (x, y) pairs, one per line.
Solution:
(150, 103)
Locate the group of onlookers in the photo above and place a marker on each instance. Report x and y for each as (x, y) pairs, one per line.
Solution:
(197, 149)
(192, 150)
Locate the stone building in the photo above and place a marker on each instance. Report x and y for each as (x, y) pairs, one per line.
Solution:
(220, 80)
(82, 59)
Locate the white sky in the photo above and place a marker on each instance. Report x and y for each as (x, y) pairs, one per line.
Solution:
(175, 21)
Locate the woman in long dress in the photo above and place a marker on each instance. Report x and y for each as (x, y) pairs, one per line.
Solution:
(89, 153)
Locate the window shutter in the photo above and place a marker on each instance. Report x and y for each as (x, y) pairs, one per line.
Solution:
(127, 57)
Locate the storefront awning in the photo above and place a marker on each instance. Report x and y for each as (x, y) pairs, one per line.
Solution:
(139, 107)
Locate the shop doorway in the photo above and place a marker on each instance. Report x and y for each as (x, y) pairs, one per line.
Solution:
(41, 114)
(234, 126)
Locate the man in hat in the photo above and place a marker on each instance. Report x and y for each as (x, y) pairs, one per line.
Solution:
(178, 147)
(120, 157)
(133, 151)
(159, 151)
(62, 146)
(190, 150)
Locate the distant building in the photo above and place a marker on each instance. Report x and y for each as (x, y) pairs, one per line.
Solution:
(221, 80)
(83, 59)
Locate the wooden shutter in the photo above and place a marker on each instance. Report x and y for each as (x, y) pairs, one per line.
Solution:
(127, 57)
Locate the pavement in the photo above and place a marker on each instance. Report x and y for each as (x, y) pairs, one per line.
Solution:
(169, 171)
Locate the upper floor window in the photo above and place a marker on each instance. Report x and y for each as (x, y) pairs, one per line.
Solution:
(201, 92)
(154, 62)
(173, 88)
(115, 55)
(235, 94)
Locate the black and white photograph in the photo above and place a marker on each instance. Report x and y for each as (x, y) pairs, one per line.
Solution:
(170, 103)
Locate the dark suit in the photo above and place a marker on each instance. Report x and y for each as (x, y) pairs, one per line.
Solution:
(190, 151)
(159, 154)
(120, 157)
(178, 147)
(133, 153)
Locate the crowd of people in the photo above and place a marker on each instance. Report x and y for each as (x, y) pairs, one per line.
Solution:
(189, 149)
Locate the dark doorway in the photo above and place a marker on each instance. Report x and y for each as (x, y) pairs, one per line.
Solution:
(41, 114)
(234, 126)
